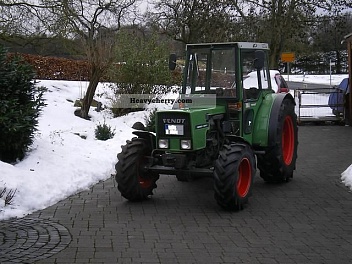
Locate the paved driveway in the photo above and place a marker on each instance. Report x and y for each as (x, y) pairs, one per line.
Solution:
(308, 220)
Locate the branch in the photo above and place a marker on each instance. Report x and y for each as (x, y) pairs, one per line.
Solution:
(7, 4)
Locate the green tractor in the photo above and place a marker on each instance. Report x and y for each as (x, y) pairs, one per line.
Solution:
(227, 123)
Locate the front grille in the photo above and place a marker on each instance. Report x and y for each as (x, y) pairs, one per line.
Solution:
(173, 124)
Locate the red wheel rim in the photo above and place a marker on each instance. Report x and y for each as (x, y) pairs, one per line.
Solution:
(144, 182)
(288, 140)
(244, 178)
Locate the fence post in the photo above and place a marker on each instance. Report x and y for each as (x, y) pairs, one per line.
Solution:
(349, 99)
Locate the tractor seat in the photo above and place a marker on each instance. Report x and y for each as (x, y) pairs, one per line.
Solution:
(251, 93)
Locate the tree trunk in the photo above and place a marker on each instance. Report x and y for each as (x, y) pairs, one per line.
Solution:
(274, 57)
(88, 98)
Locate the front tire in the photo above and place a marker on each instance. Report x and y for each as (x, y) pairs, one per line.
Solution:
(279, 162)
(234, 172)
(134, 182)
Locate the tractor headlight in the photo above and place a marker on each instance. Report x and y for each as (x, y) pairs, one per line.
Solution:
(163, 143)
(186, 144)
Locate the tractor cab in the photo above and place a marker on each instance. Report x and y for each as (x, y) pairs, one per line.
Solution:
(226, 69)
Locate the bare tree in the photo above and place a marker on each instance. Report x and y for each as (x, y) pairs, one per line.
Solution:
(282, 20)
(327, 33)
(190, 21)
(278, 22)
(94, 24)
(16, 17)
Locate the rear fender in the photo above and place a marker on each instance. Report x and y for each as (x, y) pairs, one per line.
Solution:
(274, 116)
(266, 119)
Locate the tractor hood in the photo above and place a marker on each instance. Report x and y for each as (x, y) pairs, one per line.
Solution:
(184, 126)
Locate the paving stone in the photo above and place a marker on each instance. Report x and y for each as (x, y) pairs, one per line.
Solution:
(28, 240)
(307, 220)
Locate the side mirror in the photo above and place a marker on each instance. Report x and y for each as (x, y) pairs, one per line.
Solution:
(259, 59)
(172, 62)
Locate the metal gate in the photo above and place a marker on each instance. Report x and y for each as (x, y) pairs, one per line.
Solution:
(319, 104)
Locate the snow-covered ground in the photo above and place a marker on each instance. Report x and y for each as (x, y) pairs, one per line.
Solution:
(66, 158)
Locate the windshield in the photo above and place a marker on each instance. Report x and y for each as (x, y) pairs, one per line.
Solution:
(211, 71)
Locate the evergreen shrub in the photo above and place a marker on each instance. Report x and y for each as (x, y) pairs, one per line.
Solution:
(20, 105)
(104, 132)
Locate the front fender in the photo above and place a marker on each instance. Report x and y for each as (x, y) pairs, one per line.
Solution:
(149, 136)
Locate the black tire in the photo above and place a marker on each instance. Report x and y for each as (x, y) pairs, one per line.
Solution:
(279, 162)
(134, 182)
(234, 172)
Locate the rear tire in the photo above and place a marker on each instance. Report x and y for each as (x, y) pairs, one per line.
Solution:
(279, 162)
(234, 172)
(134, 182)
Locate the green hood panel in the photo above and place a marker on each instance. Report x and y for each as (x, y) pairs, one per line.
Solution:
(197, 123)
